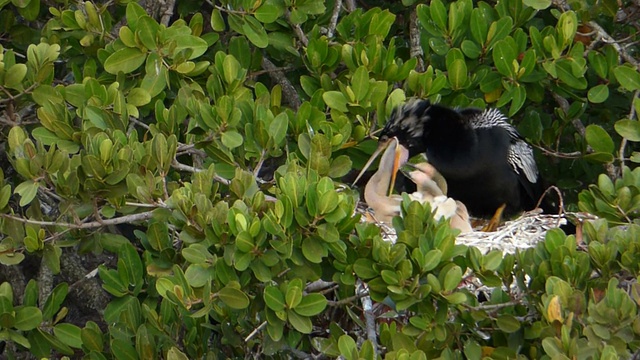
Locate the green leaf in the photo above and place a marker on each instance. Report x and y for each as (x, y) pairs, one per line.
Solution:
(347, 347)
(599, 139)
(313, 250)
(360, 83)
(538, 4)
(364, 268)
(629, 129)
(147, 31)
(196, 254)
(628, 77)
(567, 26)
(175, 354)
(255, 32)
(232, 139)
(5, 195)
(233, 298)
(69, 334)
(431, 260)
(195, 45)
(217, 22)
(479, 26)
(503, 56)
(566, 75)
(598, 93)
(274, 298)
(293, 296)
(123, 350)
(231, 69)
(158, 236)
(54, 301)
(278, 128)
(508, 323)
(299, 322)
(27, 191)
(129, 258)
(138, 97)
(458, 74)
(27, 318)
(452, 278)
(311, 305)
(340, 166)
(470, 49)
(438, 14)
(267, 13)
(335, 100)
(126, 60)
(14, 75)
(198, 275)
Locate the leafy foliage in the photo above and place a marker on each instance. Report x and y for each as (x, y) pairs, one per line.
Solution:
(199, 160)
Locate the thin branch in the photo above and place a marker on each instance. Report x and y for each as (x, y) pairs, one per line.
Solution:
(562, 155)
(138, 122)
(414, 37)
(256, 170)
(255, 331)
(333, 22)
(88, 225)
(632, 115)
(167, 12)
(369, 316)
(346, 301)
(182, 167)
(350, 5)
(190, 149)
(605, 37)
(261, 72)
(491, 307)
(298, 30)
(14, 97)
(288, 90)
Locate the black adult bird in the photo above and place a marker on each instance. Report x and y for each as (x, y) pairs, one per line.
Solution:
(484, 159)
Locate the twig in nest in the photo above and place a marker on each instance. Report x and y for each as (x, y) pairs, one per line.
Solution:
(560, 198)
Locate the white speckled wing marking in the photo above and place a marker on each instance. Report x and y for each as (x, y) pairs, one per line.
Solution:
(520, 155)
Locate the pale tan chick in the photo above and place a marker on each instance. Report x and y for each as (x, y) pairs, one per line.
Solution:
(430, 185)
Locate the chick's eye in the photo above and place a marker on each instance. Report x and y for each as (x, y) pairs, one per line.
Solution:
(384, 138)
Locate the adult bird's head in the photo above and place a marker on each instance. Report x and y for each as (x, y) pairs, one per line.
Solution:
(419, 123)
(408, 123)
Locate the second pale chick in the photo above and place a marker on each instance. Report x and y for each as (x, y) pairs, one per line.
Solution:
(429, 189)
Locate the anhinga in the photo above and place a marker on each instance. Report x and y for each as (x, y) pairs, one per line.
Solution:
(428, 181)
(485, 161)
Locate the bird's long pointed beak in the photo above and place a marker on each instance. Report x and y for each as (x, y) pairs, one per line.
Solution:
(397, 159)
(381, 147)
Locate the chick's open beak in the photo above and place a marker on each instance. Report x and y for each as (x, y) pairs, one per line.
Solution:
(381, 146)
(400, 158)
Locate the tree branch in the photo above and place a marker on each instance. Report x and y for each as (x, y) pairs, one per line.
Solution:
(182, 167)
(334, 19)
(297, 29)
(88, 225)
(414, 39)
(632, 115)
(288, 90)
